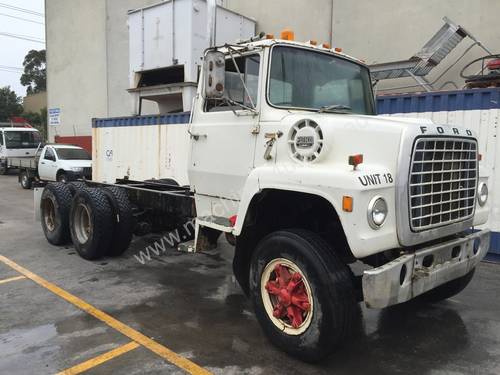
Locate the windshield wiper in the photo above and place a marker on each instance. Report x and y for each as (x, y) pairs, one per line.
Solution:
(335, 108)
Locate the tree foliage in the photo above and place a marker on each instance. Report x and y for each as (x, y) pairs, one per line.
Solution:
(37, 120)
(35, 72)
(10, 104)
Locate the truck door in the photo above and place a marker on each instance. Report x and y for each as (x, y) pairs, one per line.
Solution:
(223, 143)
(2, 152)
(47, 168)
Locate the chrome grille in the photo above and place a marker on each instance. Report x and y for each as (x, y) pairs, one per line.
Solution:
(443, 179)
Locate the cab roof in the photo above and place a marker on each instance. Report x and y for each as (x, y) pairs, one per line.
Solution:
(62, 145)
(309, 45)
(19, 129)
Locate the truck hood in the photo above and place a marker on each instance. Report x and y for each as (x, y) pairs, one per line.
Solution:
(337, 136)
(68, 164)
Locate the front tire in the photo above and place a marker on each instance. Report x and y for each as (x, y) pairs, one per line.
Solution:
(62, 177)
(303, 294)
(4, 170)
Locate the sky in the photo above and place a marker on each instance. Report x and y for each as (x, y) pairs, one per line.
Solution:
(13, 50)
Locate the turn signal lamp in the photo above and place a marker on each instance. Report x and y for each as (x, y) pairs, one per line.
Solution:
(232, 220)
(269, 36)
(327, 45)
(287, 34)
(347, 203)
(355, 160)
(312, 42)
(338, 49)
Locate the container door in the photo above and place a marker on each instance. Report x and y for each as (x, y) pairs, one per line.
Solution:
(223, 143)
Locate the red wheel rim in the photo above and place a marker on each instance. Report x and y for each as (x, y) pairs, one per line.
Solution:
(288, 296)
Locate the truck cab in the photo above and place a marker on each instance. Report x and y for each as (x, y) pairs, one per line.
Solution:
(17, 142)
(290, 159)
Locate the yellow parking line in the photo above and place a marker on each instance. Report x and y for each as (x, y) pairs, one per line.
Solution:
(131, 333)
(12, 279)
(87, 365)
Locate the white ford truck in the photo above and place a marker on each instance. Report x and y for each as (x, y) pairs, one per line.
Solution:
(291, 162)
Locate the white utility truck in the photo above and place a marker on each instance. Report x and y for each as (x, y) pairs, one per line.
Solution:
(290, 161)
(53, 162)
(16, 142)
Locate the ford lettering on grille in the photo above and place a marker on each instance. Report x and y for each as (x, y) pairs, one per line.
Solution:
(443, 180)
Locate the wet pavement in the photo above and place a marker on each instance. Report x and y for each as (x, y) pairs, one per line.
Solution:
(191, 304)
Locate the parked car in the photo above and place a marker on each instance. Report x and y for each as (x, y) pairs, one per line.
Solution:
(54, 162)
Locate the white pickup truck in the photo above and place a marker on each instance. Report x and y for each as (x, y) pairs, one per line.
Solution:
(17, 142)
(289, 160)
(53, 162)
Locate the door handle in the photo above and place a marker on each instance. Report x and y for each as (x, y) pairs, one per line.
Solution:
(42, 162)
(197, 136)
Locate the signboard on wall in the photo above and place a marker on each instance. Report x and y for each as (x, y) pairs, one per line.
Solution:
(54, 116)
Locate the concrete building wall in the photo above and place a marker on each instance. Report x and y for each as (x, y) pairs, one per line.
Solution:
(310, 20)
(35, 102)
(390, 30)
(76, 63)
(117, 56)
(87, 43)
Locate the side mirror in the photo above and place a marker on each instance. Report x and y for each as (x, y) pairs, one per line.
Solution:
(214, 70)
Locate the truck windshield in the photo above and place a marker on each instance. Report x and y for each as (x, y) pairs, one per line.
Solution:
(301, 78)
(22, 139)
(72, 154)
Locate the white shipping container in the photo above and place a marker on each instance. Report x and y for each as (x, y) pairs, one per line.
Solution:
(141, 148)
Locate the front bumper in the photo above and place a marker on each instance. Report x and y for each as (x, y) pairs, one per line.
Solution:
(74, 176)
(413, 274)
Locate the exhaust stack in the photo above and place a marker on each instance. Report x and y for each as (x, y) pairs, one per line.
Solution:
(211, 21)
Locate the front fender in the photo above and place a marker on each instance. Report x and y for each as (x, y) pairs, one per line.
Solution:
(332, 183)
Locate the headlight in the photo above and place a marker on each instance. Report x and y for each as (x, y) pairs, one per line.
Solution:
(77, 169)
(377, 212)
(482, 194)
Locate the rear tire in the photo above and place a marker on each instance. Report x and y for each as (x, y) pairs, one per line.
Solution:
(25, 180)
(4, 170)
(75, 186)
(123, 221)
(448, 290)
(54, 208)
(308, 331)
(91, 223)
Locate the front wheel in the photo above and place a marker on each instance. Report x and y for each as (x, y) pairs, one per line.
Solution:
(62, 177)
(302, 293)
(4, 170)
